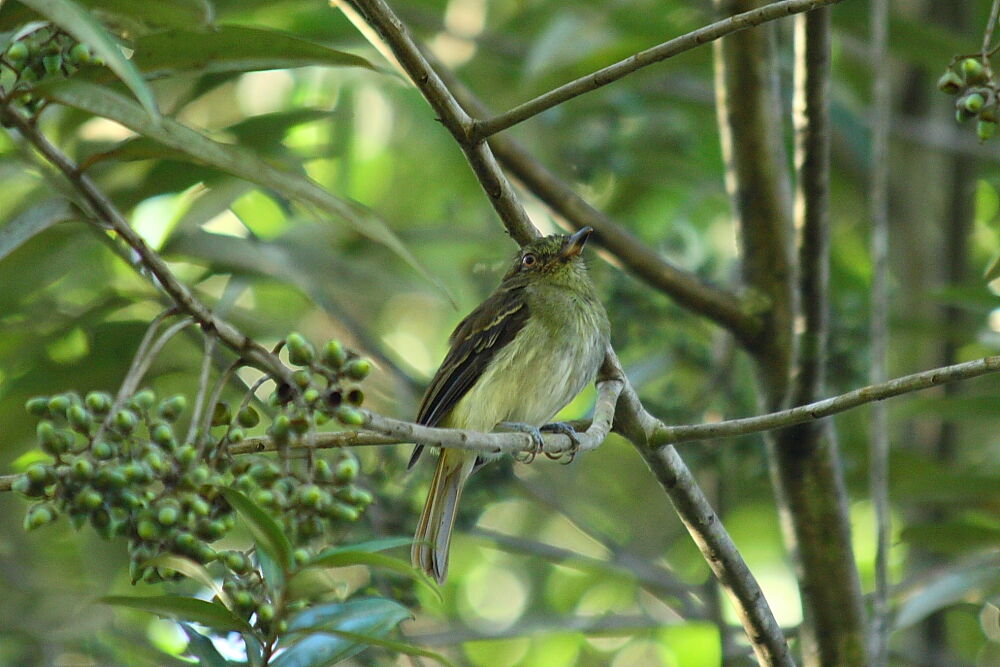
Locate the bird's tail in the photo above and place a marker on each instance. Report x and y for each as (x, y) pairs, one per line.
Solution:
(433, 537)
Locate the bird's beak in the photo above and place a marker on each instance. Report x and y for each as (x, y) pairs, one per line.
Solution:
(574, 244)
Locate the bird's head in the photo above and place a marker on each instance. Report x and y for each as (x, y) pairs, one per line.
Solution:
(552, 259)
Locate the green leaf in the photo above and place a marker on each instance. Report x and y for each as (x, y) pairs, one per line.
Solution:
(80, 23)
(33, 221)
(233, 48)
(948, 588)
(201, 647)
(176, 13)
(235, 160)
(348, 557)
(381, 544)
(182, 608)
(191, 570)
(269, 535)
(992, 271)
(317, 641)
(370, 617)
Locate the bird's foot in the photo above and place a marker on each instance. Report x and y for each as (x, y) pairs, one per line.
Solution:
(569, 432)
(533, 432)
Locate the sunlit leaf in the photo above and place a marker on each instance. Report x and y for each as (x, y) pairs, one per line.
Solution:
(33, 221)
(80, 23)
(191, 570)
(267, 532)
(318, 642)
(348, 557)
(182, 608)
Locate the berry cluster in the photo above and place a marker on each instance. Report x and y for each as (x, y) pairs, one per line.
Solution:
(971, 79)
(123, 469)
(43, 52)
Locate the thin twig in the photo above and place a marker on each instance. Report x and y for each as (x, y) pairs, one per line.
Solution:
(160, 274)
(878, 471)
(623, 68)
(991, 25)
(199, 401)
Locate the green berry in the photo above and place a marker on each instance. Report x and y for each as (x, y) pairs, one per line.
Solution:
(350, 416)
(973, 102)
(58, 405)
(89, 499)
(300, 351)
(358, 369)
(200, 506)
(356, 496)
(985, 129)
(280, 428)
(263, 497)
(265, 613)
(950, 83)
(83, 469)
(309, 495)
(37, 406)
(236, 561)
(186, 455)
(236, 435)
(98, 402)
(102, 450)
(243, 599)
(39, 473)
(144, 400)
(342, 511)
(221, 414)
(346, 470)
(310, 395)
(79, 418)
(302, 378)
(80, 53)
(125, 421)
(322, 470)
(52, 63)
(167, 516)
(248, 417)
(334, 354)
(38, 516)
(171, 408)
(162, 435)
(25, 487)
(17, 53)
(147, 529)
(973, 71)
(300, 556)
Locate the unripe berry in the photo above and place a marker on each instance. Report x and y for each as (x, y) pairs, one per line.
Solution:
(221, 414)
(37, 406)
(263, 497)
(243, 599)
(186, 455)
(162, 435)
(334, 354)
(280, 428)
(358, 369)
(167, 516)
(300, 557)
(102, 450)
(265, 613)
(98, 402)
(147, 529)
(342, 511)
(973, 71)
(171, 408)
(125, 421)
(950, 83)
(309, 496)
(38, 516)
(346, 470)
(39, 473)
(349, 416)
(144, 400)
(58, 405)
(248, 417)
(973, 102)
(236, 561)
(985, 129)
(89, 499)
(79, 418)
(301, 378)
(80, 53)
(300, 351)
(236, 435)
(17, 53)
(83, 469)
(322, 470)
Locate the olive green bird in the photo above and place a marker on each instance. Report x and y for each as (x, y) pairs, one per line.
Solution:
(515, 361)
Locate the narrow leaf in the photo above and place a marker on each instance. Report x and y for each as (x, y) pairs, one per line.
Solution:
(234, 160)
(182, 608)
(345, 558)
(33, 221)
(191, 570)
(950, 587)
(80, 23)
(266, 530)
(392, 645)
(381, 544)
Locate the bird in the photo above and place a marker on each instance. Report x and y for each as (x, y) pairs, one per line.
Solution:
(514, 362)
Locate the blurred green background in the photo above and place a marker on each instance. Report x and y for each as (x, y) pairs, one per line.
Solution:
(553, 565)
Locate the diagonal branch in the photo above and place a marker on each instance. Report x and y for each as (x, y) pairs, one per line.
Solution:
(108, 215)
(623, 68)
(722, 307)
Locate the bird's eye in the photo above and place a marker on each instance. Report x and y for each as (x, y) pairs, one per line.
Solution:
(528, 260)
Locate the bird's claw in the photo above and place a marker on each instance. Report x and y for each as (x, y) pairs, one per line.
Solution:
(569, 432)
(537, 444)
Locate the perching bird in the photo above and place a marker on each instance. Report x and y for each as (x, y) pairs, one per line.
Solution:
(517, 359)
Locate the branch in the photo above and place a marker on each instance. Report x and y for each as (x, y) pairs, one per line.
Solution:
(687, 289)
(664, 434)
(623, 68)
(161, 276)
(391, 29)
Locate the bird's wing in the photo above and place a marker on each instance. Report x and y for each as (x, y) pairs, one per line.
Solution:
(474, 343)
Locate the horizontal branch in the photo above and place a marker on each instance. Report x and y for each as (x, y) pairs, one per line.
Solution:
(621, 69)
(664, 435)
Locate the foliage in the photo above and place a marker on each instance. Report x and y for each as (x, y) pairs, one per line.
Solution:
(274, 159)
